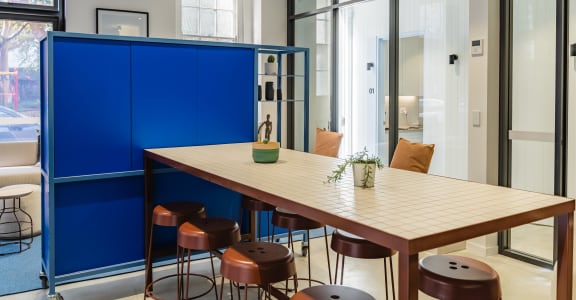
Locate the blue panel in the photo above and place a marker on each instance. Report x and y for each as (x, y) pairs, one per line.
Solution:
(98, 223)
(165, 92)
(44, 103)
(91, 107)
(226, 95)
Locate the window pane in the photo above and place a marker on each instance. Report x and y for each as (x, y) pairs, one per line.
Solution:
(193, 3)
(225, 4)
(302, 6)
(34, 2)
(190, 18)
(20, 79)
(207, 4)
(207, 22)
(225, 24)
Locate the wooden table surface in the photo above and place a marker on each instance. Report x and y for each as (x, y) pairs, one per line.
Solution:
(408, 211)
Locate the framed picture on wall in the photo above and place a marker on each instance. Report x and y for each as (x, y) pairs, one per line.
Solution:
(121, 22)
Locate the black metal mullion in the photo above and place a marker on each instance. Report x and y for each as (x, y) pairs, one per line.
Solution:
(334, 110)
(504, 143)
(290, 113)
(393, 47)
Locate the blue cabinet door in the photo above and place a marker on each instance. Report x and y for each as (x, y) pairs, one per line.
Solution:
(91, 107)
(187, 95)
(226, 95)
(165, 88)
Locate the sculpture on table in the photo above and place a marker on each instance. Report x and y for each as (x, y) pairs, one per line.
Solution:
(267, 130)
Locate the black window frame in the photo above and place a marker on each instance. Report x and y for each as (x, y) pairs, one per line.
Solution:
(37, 13)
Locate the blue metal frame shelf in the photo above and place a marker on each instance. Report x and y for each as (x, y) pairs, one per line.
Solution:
(106, 98)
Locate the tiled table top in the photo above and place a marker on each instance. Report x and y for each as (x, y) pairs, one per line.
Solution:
(405, 210)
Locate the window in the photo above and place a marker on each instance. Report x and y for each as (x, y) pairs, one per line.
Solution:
(209, 19)
(22, 26)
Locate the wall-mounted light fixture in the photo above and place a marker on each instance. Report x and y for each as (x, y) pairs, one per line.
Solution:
(369, 66)
(573, 50)
(452, 58)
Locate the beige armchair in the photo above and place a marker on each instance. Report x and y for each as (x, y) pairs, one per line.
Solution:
(19, 166)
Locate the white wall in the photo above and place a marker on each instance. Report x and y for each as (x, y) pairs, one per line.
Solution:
(483, 97)
(163, 19)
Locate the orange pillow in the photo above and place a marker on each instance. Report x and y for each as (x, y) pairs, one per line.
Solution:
(412, 156)
(327, 142)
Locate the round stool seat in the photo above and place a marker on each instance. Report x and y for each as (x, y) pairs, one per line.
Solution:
(256, 205)
(330, 292)
(287, 219)
(174, 213)
(257, 263)
(351, 245)
(456, 277)
(208, 234)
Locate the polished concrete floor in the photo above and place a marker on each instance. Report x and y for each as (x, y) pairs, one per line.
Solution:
(519, 280)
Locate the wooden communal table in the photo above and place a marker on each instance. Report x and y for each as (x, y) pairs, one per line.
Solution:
(407, 211)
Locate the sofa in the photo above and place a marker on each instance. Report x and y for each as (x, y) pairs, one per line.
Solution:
(19, 165)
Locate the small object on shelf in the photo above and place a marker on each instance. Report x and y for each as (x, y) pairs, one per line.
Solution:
(270, 66)
(259, 92)
(279, 94)
(269, 90)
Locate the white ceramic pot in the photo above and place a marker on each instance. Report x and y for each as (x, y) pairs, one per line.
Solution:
(270, 68)
(364, 174)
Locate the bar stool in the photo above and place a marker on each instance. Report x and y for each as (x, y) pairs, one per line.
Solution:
(257, 263)
(286, 219)
(209, 235)
(330, 292)
(14, 221)
(170, 214)
(348, 244)
(451, 277)
(255, 207)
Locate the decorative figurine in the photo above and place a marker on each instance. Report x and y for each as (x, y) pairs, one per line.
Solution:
(267, 130)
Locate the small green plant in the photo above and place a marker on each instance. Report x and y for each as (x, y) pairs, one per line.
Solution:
(362, 157)
(271, 58)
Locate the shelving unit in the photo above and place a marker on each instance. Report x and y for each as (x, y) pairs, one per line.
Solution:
(297, 82)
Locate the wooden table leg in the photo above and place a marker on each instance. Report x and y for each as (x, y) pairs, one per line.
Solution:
(407, 276)
(565, 257)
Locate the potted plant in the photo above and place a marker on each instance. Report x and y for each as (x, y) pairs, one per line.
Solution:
(270, 65)
(363, 167)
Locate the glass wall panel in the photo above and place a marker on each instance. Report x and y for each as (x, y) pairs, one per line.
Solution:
(533, 114)
(314, 32)
(433, 103)
(363, 75)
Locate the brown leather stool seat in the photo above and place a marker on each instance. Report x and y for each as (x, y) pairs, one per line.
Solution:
(348, 244)
(291, 221)
(451, 277)
(170, 214)
(257, 263)
(253, 205)
(331, 292)
(208, 234)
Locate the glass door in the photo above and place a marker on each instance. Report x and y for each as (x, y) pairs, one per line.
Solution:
(360, 64)
(532, 119)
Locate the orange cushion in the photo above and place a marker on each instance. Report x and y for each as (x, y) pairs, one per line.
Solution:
(412, 156)
(327, 142)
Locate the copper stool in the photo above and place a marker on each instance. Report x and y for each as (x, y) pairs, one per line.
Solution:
(348, 244)
(170, 214)
(451, 277)
(291, 221)
(210, 235)
(253, 205)
(257, 263)
(330, 292)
